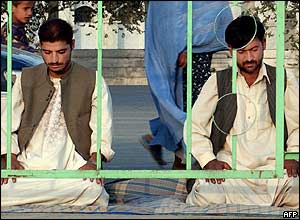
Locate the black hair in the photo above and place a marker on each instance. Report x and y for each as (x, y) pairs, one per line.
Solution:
(16, 3)
(56, 30)
(242, 29)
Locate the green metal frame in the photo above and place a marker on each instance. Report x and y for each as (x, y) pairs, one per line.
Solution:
(188, 173)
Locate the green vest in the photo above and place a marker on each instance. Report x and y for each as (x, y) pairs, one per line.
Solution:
(77, 87)
(226, 109)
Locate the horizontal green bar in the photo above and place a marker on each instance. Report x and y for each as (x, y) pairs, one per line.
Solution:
(291, 156)
(202, 174)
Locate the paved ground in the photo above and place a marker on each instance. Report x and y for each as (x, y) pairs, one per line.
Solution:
(133, 107)
(121, 216)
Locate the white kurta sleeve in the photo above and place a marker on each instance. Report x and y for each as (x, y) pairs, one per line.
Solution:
(17, 110)
(107, 126)
(202, 112)
(292, 112)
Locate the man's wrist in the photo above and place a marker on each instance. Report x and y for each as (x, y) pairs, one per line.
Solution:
(92, 162)
(93, 157)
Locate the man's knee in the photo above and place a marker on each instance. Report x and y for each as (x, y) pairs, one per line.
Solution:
(190, 182)
(294, 193)
(290, 198)
(204, 194)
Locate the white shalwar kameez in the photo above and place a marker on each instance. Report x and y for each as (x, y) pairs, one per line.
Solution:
(51, 148)
(256, 141)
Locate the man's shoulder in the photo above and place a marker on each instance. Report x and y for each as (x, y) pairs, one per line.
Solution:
(268, 66)
(271, 71)
(33, 75)
(34, 69)
(34, 72)
(83, 73)
(83, 69)
(224, 72)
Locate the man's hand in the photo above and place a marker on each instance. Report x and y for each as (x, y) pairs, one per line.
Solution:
(91, 165)
(292, 167)
(216, 165)
(15, 165)
(181, 61)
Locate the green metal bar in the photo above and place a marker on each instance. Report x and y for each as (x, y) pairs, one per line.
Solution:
(8, 82)
(189, 84)
(230, 174)
(233, 89)
(99, 85)
(280, 9)
(291, 156)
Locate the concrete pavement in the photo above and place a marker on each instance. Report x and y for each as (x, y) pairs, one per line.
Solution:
(132, 109)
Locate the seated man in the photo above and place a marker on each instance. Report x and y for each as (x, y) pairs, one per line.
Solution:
(251, 110)
(54, 120)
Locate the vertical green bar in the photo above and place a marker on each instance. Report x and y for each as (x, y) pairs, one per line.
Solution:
(99, 85)
(9, 70)
(189, 84)
(234, 75)
(280, 9)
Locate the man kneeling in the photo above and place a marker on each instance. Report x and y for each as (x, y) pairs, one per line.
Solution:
(54, 115)
(250, 113)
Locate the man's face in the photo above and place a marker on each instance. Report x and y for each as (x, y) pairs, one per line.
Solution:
(22, 13)
(57, 56)
(249, 59)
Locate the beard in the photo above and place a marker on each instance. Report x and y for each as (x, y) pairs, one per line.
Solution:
(255, 65)
(59, 71)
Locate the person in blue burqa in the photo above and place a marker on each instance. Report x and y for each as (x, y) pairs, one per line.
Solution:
(165, 66)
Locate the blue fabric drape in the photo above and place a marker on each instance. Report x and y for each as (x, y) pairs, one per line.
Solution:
(165, 38)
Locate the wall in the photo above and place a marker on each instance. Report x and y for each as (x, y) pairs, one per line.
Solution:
(119, 67)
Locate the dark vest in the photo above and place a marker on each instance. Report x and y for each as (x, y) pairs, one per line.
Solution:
(77, 87)
(226, 109)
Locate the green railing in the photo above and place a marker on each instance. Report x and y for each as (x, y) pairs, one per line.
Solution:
(188, 173)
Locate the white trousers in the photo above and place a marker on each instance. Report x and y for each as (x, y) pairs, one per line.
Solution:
(53, 192)
(264, 192)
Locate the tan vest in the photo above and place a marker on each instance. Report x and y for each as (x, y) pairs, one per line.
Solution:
(77, 87)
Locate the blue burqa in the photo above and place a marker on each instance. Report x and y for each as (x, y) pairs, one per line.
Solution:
(165, 38)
